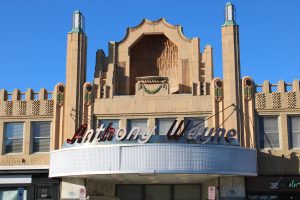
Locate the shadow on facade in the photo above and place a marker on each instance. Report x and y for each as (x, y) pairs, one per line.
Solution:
(270, 164)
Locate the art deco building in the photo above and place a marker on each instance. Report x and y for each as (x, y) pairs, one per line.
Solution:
(154, 124)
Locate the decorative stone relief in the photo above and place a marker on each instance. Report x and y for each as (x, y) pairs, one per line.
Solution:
(35, 107)
(154, 55)
(218, 88)
(248, 84)
(25, 160)
(152, 84)
(49, 107)
(276, 100)
(260, 100)
(21, 105)
(291, 99)
(27, 108)
(8, 108)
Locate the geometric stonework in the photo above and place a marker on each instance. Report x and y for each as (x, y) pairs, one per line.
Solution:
(154, 55)
(8, 108)
(35, 107)
(291, 99)
(276, 100)
(21, 107)
(49, 107)
(260, 100)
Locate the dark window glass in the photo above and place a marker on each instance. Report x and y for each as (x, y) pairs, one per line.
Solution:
(130, 192)
(158, 192)
(187, 192)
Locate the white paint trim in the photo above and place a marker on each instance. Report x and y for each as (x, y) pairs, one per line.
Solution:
(15, 179)
(17, 167)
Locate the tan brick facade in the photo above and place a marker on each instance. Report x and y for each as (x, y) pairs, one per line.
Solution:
(154, 72)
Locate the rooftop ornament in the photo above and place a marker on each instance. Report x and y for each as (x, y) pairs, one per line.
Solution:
(78, 22)
(229, 14)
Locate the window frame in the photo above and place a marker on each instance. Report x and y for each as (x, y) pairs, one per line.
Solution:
(32, 136)
(259, 122)
(129, 126)
(107, 119)
(290, 133)
(203, 122)
(5, 138)
(163, 118)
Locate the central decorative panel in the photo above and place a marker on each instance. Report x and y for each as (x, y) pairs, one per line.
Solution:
(153, 55)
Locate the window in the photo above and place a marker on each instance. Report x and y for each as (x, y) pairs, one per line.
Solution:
(41, 136)
(106, 122)
(142, 123)
(194, 121)
(294, 131)
(268, 132)
(163, 125)
(14, 137)
(12, 193)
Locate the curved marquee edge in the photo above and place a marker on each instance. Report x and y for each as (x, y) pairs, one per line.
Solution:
(153, 158)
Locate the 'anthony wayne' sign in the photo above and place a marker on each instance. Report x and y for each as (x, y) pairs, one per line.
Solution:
(196, 134)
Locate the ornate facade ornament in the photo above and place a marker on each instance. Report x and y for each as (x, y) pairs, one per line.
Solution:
(248, 88)
(158, 81)
(260, 100)
(291, 99)
(218, 87)
(276, 100)
(88, 94)
(60, 95)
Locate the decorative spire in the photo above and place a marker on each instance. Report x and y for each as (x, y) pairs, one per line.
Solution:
(78, 22)
(229, 14)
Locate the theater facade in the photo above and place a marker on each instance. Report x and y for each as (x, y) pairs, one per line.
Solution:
(154, 124)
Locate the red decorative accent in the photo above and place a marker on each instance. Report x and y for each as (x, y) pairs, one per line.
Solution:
(78, 135)
(108, 133)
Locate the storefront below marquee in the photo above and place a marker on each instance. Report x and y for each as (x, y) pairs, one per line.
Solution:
(99, 187)
(273, 188)
(28, 185)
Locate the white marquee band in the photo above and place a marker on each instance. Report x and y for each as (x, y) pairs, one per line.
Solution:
(153, 158)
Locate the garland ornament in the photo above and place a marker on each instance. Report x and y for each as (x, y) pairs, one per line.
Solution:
(150, 80)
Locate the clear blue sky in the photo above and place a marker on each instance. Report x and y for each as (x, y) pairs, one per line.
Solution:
(33, 35)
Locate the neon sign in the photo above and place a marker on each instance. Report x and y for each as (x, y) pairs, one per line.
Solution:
(196, 134)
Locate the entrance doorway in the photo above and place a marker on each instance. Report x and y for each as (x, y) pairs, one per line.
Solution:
(159, 192)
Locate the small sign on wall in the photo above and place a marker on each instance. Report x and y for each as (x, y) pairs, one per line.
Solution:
(82, 193)
(20, 193)
(211, 193)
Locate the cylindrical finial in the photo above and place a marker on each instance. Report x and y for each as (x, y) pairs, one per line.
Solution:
(229, 14)
(78, 22)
